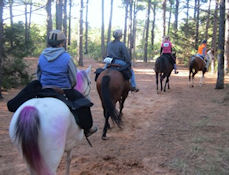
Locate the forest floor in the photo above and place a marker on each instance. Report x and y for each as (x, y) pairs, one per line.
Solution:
(184, 131)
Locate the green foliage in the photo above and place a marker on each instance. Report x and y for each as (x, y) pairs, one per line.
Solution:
(14, 72)
(14, 69)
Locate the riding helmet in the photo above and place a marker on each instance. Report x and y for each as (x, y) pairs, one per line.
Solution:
(55, 38)
(117, 33)
(204, 41)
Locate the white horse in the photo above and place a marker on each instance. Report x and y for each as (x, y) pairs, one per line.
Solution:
(44, 128)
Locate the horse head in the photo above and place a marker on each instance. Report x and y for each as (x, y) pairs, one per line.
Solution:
(84, 82)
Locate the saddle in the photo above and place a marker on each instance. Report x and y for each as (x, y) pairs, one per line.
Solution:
(35, 90)
(125, 70)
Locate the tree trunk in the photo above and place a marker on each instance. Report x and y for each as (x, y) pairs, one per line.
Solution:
(195, 9)
(102, 33)
(197, 24)
(213, 45)
(65, 21)
(30, 18)
(1, 44)
(147, 32)
(164, 17)
(227, 40)
(26, 25)
(126, 17)
(110, 23)
(49, 17)
(130, 32)
(220, 75)
(70, 22)
(170, 13)
(187, 19)
(208, 20)
(153, 24)
(176, 16)
(59, 14)
(11, 18)
(86, 29)
(81, 35)
(134, 30)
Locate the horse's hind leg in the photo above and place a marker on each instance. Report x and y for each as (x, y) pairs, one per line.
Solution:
(161, 80)
(157, 80)
(104, 136)
(202, 79)
(68, 162)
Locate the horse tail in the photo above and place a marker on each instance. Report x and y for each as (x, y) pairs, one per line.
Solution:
(27, 131)
(107, 102)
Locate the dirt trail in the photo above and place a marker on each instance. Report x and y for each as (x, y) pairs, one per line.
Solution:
(177, 132)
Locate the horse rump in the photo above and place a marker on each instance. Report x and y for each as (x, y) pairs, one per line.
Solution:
(107, 102)
(26, 134)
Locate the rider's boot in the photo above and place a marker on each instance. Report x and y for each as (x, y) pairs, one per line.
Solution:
(89, 132)
(134, 89)
(175, 69)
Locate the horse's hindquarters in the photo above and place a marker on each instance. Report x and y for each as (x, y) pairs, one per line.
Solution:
(58, 130)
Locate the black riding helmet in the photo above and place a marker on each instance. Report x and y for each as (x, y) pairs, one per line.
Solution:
(204, 41)
(55, 38)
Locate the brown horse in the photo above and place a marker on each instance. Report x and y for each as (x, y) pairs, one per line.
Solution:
(164, 67)
(197, 63)
(112, 88)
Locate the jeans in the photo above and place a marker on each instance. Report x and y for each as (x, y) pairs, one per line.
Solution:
(123, 63)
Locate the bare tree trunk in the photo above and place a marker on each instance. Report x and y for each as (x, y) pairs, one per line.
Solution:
(187, 18)
(130, 32)
(195, 9)
(86, 29)
(81, 35)
(49, 17)
(65, 21)
(30, 18)
(226, 55)
(110, 23)
(59, 12)
(26, 24)
(208, 19)
(214, 36)
(126, 17)
(147, 32)
(164, 17)
(102, 33)
(134, 31)
(176, 16)
(170, 13)
(70, 22)
(1, 44)
(220, 75)
(197, 25)
(11, 18)
(153, 24)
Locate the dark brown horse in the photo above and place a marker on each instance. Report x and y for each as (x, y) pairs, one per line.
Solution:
(197, 63)
(112, 88)
(163, 67)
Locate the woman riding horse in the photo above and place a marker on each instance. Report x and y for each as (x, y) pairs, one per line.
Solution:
(166, 49)
(57, 71)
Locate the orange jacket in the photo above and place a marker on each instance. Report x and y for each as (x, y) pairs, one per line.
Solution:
(202, 50)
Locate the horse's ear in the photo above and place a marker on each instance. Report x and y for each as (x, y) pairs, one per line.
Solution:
(88, 70)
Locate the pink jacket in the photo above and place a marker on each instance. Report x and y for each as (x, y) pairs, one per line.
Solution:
(166, 47)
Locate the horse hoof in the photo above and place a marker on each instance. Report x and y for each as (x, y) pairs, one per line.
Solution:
(104, 138)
